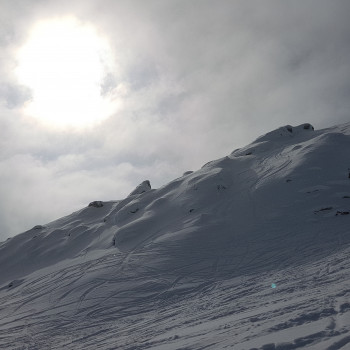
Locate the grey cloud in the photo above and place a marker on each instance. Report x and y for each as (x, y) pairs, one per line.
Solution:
(109, 83)
(14, 96)
(142, 74)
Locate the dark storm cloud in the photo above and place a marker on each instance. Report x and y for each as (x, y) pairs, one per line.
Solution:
(197, 79)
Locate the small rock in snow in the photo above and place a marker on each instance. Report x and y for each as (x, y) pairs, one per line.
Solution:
(289, 128)
(308, 126)
(342, 213)
(96, 204)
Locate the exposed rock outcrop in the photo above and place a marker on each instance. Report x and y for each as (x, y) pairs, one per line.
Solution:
(143, 187)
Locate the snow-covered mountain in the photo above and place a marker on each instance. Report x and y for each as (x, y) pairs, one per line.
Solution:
(249, 252)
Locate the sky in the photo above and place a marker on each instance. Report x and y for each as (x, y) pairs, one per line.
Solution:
(98, 95)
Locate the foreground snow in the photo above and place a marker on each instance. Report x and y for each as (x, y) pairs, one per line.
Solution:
(249, 252)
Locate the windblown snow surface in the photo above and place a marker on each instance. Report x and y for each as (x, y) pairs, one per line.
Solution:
(249, 252)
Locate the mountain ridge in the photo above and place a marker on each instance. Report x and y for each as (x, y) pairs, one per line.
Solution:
(268, 213)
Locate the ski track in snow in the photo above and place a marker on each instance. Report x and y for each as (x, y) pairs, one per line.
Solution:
(219, 311)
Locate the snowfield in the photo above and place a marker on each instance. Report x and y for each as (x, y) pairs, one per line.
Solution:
(252, 251)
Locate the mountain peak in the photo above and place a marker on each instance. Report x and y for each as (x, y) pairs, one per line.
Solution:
(286, 131)
(143, 187)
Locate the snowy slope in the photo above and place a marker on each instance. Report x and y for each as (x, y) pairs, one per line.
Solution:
(249, 252)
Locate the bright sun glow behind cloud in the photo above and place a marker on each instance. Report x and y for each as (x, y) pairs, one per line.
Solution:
(64, 64)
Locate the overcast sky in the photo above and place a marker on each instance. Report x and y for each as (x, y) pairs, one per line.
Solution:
(194, 79)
